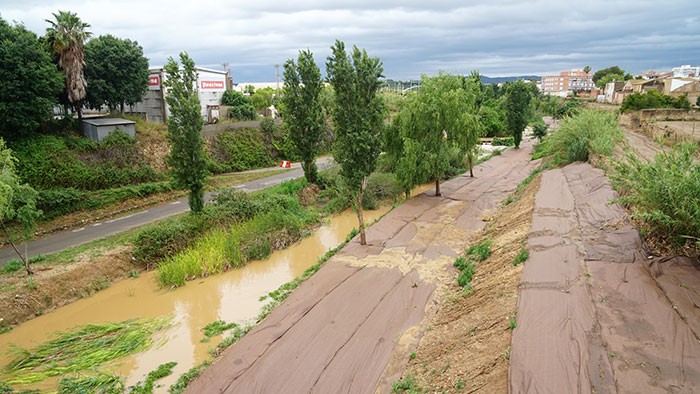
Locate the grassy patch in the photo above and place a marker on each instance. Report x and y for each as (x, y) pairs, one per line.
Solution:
(233, 179)
(664, 193)
(217, 327)
(101, 383)
(479, 252)
(515, 196)
(86, 348)
(466, 264)
(589, 132)
(188, 377)
(521, 257)
(407, 385)
(148, 385)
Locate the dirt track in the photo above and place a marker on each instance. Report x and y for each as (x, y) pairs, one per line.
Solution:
(351, 326)
(594, 313)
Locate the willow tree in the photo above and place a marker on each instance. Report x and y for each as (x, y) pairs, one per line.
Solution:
(303, 111)
(436, 124)
(66, 37)
(358, 115)
(187, 156)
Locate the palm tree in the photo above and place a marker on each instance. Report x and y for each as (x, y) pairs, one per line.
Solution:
(66, 36)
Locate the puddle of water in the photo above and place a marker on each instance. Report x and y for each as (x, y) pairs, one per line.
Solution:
(231, 296)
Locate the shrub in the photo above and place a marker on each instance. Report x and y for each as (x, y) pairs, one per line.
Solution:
(653, 99)
(267, 125)
(588, 132)
(503, 141)
(664, 193)
(239, 150)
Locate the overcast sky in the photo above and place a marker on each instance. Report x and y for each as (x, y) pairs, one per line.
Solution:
(497, 37)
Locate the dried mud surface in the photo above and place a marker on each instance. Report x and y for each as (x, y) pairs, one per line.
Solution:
(352, 326)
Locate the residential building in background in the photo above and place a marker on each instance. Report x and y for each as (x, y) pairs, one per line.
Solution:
(567, 82)
(686, 71)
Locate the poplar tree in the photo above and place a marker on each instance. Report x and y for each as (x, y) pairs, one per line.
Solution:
(303, 111)
(517, 105)
(187, 157)
(358, 115)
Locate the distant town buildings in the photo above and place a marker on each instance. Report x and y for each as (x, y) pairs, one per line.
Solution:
(686, 71)
(567, 82)
(681, 81)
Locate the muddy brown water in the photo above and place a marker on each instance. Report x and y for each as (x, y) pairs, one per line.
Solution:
(232, 296)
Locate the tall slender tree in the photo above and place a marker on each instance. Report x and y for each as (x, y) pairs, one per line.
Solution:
(517, 105)
(304, 114)
(187, 157)
(358, 115)
(66, 37)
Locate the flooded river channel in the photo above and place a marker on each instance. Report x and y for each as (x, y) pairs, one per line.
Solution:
(232, 296)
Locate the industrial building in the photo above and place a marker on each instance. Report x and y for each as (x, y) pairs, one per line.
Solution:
(211, 85)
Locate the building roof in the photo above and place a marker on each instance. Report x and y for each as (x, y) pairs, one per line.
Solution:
(108, 121)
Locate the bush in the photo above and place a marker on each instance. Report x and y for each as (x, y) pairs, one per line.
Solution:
(381, 186)
(239, 150)
(503, 141)
(653, 99)
(49, 161)
(267, 125)
(664, 193)
(588, 132)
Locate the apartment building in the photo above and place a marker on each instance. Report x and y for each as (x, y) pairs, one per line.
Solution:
(566, 82)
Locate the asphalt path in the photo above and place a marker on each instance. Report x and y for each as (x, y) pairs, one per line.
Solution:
(59, 241)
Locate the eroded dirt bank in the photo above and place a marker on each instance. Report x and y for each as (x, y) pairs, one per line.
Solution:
(595, 314)
(350, 328)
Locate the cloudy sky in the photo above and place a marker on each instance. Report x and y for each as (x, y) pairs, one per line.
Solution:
(497, 37)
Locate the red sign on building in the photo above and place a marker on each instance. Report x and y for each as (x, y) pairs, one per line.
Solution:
(212, 84)
(154, 82)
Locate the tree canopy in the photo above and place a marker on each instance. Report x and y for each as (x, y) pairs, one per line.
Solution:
(517, 105)
(304, 114)
(600, 74)
(241, 107)
(187, 156)
(116, 72)
(30, 81)
(358, 115)
(438, 120)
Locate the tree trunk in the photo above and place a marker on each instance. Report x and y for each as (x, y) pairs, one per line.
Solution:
(470, 158)
(437, 188)
(79, 109)
(360, 216)
(23, 258)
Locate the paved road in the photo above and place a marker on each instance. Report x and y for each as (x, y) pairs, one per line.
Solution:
(65, 239)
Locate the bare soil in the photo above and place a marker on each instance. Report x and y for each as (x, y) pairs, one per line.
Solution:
(466, 346)
(23, 297)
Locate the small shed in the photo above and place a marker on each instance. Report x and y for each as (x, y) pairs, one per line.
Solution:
(98, 129)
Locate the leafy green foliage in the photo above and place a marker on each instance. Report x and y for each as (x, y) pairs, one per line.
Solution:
(241, 107)
(84, 348)
(303, 111)
(187, 156)
(358, 117)
(653, 99)
(186, 378)
(116, 72)
(664, 193)
(589, 132)
(503, 141)
(30, 81)
(262, 98)
(517, 106)
(407, 385)
(55, 162)
(12, 266)
(479, 252)
(609, 78)
(442, 115)
(539, 129)
(239, 150)
(466, 264)
(101, 383)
